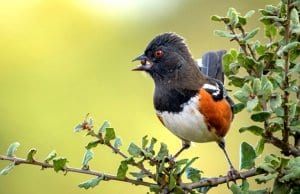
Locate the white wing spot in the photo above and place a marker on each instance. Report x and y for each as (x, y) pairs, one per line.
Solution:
(215, 88)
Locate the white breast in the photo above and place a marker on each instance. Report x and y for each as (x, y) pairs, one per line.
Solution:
(189, 123)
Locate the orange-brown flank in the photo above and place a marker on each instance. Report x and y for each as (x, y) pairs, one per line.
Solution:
(218, 114)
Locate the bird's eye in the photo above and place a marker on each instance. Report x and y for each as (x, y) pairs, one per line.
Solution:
(158, 54)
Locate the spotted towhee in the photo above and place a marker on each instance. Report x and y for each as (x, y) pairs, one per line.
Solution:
(189, 100)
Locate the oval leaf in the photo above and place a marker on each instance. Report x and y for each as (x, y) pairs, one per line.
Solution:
(12, 148)
(253, 129)
(260, 116)
(7, 169)
(30, 154)
(50, 156)
(122, 170)
(247, 156)
(134, 150)
(59, 164)
(89, 154)
(90, 183)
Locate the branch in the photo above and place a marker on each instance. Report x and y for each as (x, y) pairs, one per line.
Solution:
(105, 176)
(287, 149)
(214, 181)
(285, 131)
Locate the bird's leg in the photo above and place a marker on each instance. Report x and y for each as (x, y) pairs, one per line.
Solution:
(232, 173)
(185, 145)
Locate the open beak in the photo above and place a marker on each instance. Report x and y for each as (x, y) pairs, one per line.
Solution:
(145, 63)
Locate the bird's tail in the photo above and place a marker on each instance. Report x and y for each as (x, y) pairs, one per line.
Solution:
(211, 64)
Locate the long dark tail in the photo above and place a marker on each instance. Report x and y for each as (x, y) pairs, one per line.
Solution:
(211, 64)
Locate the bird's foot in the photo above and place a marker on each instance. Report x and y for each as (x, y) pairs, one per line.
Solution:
(232, 175)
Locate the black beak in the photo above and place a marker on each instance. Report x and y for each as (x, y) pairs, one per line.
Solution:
(145, 63)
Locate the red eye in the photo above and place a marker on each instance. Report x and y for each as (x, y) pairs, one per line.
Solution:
(158, 53)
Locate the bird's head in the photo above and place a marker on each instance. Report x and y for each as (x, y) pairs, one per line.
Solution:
(165, 56)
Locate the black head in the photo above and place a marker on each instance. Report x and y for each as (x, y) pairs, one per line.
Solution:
(165, 57)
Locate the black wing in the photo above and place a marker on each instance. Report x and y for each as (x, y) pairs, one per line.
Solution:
(212, 65)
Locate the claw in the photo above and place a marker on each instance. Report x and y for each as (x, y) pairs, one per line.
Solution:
(232, 175)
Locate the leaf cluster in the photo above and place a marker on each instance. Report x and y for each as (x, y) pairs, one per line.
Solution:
(266, 75)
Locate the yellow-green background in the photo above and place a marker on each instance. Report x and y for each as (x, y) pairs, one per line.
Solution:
(62, 59)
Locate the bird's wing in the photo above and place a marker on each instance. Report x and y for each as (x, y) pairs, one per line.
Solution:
(211, 64)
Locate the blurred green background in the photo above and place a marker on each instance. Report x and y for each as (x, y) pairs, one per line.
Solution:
(61, 59)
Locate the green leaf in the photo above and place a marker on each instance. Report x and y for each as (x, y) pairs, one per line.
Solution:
(295, 21)
(288, 47)
(50, 156)
(280, 188)
(265, 178)
(292, 170)
(267, 20)
(243, 94)
(151, 146)
(78, 128)
(249, 14)
(236, 189)
(247, 156)
(118, 143)
(134, 150)
(270, 31)
(238, 107)
(275, 101)
(188, 164)
(216, 18)
(92, 144)
(266, 87)
(59, 164)
(172, 182)
(233, 16)
(155, 188)
(163, 152)
(261, 49)
(260, 146)
(7, 169)
(224, 34)
(252, 103)
(30, 154)
(90, 183)
(109, 134)
(253, 129)
(256, 86)
(103, 127)
(89, 154)
(260, 116)
(12, 148)
(251, 34)
(145, 141)
(138, 175)
(245, 185)
(236, 80)
(122, 170)
(193, 174)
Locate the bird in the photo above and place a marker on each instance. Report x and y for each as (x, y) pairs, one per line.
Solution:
(190, 99)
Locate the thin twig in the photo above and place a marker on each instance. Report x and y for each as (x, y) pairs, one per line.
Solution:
(106, 177)
(243, 46)
(248, 45)
(285, 132)
(214, 181)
